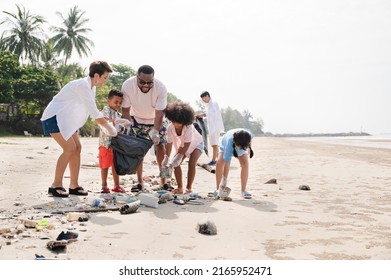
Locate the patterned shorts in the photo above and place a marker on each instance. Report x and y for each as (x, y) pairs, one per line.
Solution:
(142, 130)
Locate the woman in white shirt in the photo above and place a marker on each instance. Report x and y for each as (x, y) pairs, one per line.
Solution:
(65, 114)
(186, 140)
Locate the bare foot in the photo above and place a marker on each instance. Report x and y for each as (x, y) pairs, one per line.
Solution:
(177, 191)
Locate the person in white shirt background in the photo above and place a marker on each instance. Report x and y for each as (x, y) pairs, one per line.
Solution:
(214, 122)
(65, 114)
(145, 98)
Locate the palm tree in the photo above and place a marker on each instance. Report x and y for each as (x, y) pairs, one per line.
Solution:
(69, 72)
(49, 56)
(26, 37)
(70, 36)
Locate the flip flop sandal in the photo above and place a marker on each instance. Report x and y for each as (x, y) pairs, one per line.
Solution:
(57, 245)
(119, 189)
(137, 188)
(78, 191)
(68, 235)
(167, 187)
(211, 194)
(54, 191)
(179, 201)
(246, 195)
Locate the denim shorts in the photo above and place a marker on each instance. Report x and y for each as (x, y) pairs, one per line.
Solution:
(200, 146)
(50, 126)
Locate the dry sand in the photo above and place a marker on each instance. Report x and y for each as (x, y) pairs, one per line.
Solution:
(346, 214)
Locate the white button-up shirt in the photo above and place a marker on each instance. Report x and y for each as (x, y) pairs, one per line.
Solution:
(72, 106)
(213, 117)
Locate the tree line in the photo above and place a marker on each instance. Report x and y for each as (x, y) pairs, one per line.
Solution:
(35, 67)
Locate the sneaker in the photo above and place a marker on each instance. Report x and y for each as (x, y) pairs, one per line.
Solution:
(105, 190)
(118, 189)
(212, 163)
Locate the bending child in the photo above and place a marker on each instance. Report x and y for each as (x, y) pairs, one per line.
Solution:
(106, 155)
(236, 142)
(186, 140)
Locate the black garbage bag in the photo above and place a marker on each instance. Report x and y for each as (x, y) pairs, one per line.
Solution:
(129, 151)
(201, 128)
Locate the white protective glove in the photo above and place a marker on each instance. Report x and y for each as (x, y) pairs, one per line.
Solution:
(224, 191)
(108, 129)
(154, 135)
(223, 182)
(176, 160)
(165, 161)
(123, 122)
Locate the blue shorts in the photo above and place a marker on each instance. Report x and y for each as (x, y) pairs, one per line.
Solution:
(50, 126)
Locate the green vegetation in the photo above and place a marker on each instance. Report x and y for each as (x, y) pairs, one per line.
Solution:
(5, 132)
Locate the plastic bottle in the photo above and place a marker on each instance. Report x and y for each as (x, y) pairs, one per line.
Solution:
(94, 202)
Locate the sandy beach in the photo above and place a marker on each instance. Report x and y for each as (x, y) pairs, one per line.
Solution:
(346, 214)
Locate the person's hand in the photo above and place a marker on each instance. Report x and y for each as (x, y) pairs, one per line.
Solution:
(176, 160)
(223, 182)
(165, 160)
(108, 129)
(154, 135)
(123, 122)
(224, 191)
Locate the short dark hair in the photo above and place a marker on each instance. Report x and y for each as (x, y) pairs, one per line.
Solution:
(180, 112)
(205, 93)
(115, 92)
(146, 69)
(99, 67)
(242, 139)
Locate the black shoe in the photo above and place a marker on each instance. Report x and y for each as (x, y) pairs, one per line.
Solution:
(54, 191)
(78, 191)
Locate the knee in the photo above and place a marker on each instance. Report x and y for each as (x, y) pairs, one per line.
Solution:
(73, 150)
(244, 164)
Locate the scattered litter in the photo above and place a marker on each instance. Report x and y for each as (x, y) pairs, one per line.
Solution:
(149, 200)
(304, 187)
(68, 235)
(206, 226)
(57, 245)
(130, 207)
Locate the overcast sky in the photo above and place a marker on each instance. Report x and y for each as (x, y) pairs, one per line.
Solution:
(301, 66)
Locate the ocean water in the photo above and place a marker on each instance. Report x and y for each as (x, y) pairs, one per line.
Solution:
(375, 141)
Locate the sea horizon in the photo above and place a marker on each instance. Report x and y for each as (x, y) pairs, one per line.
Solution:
(379, 141)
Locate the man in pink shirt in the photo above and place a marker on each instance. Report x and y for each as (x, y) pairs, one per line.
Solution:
(143, 103)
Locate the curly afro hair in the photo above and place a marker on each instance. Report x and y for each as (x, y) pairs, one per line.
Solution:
(180, 112)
